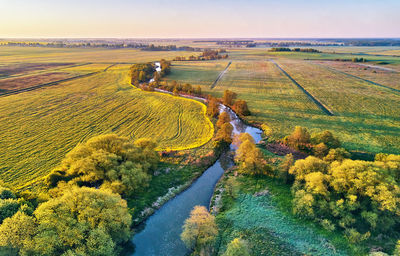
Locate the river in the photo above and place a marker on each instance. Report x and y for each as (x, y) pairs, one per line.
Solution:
(161, 235)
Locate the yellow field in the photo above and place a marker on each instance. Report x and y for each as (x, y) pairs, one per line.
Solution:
(39, 127)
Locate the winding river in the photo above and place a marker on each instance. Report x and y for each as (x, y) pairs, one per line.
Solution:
(161, 235)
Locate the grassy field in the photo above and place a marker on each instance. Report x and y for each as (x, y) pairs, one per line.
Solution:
(366, 116)
(196, 72)
(267, 223)
(380, 74)
(12, 55)
(40, 127)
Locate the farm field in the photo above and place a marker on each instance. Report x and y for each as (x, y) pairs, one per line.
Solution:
(41, 126)
(13, 55)
(366, 116)
(196, 72)
(380, 74)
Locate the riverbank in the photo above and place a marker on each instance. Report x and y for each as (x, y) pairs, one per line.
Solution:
(161, 232)
(258, 210)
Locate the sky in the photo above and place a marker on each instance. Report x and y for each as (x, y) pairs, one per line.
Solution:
(199, 19)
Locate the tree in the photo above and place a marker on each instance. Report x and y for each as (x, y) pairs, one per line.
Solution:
(336, 154)
(222, 119)
(16, 234)
(8, 207)
(84, 220)
(240, 107)
(108, 161)
(241, 137)
(285, 166)
(200, 230)
(299, 139)
(228, 98)
(267, 130)
(237, 247)
(213, 107)
(224, 134)
(327, 138)
(397, 250)
(251, 160)
(360, 197)
(320, 150)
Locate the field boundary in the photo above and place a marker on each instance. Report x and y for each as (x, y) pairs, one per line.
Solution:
(220, 75)
(357, 77)
(309, 95)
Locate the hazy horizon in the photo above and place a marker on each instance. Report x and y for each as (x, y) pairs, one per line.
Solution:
(180, 19)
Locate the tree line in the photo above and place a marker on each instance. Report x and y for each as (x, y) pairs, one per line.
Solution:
(206, 55)
(284, 49)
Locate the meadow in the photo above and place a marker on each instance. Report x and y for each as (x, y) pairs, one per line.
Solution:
(40, 127)
(366, 116)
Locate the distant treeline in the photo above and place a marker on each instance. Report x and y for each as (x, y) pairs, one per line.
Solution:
(153, 47)
(143, 47)
(206, 55)
(283, 49)
(372, 42)
(250, 43)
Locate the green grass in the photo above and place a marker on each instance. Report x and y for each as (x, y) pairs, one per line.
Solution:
(196, 72)
(366, 116)
(12, 55)
(40, 127)
(269, 226)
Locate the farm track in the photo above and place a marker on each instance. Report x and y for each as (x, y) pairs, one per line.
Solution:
(312, 98)
(220, 75)
(7, 93)
(357, 77)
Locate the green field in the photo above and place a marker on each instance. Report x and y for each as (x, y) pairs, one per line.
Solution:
(40, 127)
(366, 116)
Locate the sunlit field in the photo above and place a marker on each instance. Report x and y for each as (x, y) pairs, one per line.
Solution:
(41, 126)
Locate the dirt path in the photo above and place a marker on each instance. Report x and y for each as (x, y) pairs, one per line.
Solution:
(312, 98)
(221, 75)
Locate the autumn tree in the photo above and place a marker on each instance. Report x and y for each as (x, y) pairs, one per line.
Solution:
(320, 150)
(200, 231)
(240, 107)
(228, 98)
(251, 160)
(224, 134)
(16, 235)
(108, 161)
(83, 220)
(359, 197)
(212, 107)
(267, 130)
(223, 118)
(337, 154)
(327, 138)
(299, 139)
(237, 247)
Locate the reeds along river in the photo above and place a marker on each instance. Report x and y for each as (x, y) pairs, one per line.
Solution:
(161, 235)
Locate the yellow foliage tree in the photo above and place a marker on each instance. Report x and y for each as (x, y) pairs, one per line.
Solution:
(200, 230)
